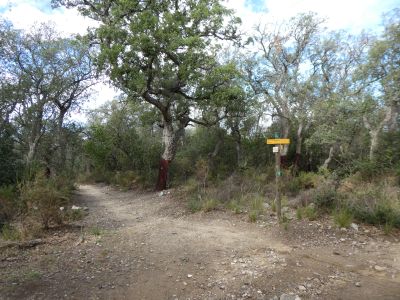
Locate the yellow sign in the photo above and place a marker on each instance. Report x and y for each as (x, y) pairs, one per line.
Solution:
(278, 141)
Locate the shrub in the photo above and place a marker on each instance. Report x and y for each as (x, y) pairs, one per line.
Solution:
(310, 213)
(8, 203)
(368, 169)
(43, 199)
(253, 215)
(234, 206)
(299, 213)
(10, 233)
(343, 218)
(325, 197)
(303, 181)
(257, 204)
(194, 204)
(210, 204)
(377, 205)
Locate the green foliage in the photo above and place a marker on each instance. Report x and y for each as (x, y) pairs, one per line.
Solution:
(257, 204)
(253, 216)
(8, 203)
(308, 212)
(234, 206)
(299, 213)
(74, 215)
(9, 232)
(96, 231)
(43, 199)
(209, 204)
(194, 205)
(343, 217)
(325, 197)
(32, 275)
(304, 181)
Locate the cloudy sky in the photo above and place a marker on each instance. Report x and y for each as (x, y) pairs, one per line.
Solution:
(351, 15)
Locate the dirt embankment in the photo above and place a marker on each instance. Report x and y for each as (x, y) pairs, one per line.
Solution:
(145, 246)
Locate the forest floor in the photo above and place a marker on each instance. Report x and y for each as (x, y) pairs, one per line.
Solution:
(140, 245)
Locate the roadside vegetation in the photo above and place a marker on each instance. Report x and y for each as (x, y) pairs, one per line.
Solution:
(194, 116)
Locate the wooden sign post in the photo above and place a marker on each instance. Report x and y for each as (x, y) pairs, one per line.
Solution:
(278, 173)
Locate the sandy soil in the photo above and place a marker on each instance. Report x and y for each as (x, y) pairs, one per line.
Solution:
(140, 245)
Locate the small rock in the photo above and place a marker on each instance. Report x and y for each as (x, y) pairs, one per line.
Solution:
(302, 288)
(189, 275)
(358, 284)
(354, 226)
(74, 207)
(379, 268)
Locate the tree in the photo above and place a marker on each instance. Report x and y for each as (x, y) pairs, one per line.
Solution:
(279, 71)
(382, 73)
(164, 53)
(336, 110)
(52, 74)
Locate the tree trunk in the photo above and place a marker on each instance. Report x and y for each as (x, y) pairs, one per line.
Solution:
(374, 132)
(171, 139)
(61, 149)
(298, 148)
(329, 159)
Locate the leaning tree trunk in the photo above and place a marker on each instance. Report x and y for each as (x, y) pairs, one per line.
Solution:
(171, 139)
(329, 158)
(374, 132)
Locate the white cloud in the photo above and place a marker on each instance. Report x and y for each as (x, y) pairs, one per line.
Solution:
(23, 14)
(351, 15)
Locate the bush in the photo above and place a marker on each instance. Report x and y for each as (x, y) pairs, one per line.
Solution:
(210, 204)
(43, 199)
(253, 215)
(10, 233)
(308, 212)
(376, 204)
(343, 218)
(325, 197)
(8, 203)
(234, 206)
(303, 181)
(195, 204)
(368, 169)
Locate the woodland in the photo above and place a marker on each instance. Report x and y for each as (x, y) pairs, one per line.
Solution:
(198, 99)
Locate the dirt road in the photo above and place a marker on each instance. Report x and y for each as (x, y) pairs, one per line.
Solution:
(145, 246)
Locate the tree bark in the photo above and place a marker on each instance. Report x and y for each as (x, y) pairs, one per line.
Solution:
(298, 147)
(329, 159)
(374, 132)
(171, 139)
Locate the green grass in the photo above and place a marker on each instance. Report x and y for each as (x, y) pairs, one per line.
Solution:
(95, 231)
(194, 204)
(308, 212)
(253, 215)
(32, 275)
(209, 205)
(234, 206)
(343, 218)
(10, 233)
(299, 213)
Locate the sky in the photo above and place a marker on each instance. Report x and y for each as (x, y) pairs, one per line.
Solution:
(350, 15)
